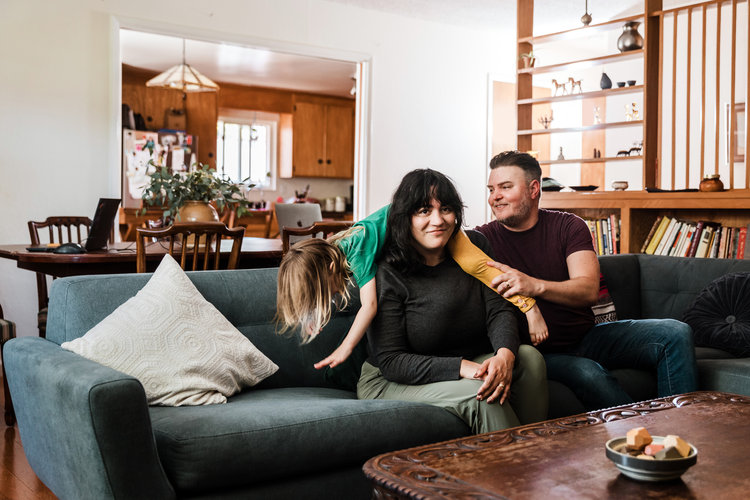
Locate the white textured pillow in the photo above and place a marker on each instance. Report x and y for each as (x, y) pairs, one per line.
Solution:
(176, 343)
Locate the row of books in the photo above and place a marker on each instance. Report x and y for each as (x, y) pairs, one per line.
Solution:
(681, 238)
(606, 234)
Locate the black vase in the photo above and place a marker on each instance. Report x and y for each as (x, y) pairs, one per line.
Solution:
(630, 39)
(605, 82)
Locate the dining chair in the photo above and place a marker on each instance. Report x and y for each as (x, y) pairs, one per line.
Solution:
(321, 229)
(296, 215)
(255, 222)
(65, 229)
(195, 243)
(7, 332)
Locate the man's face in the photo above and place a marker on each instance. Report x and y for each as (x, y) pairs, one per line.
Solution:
(511, 197)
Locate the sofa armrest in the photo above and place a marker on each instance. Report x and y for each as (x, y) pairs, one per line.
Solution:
(85, 428)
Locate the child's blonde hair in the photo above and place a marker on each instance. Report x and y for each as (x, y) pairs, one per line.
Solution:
(310, 275)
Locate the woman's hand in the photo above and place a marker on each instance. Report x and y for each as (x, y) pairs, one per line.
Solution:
(497, 373)
(537, 326)
(468, 369)
(337, 357)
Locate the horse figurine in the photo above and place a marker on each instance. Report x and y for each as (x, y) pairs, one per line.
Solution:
(574, 84)
(559, 86)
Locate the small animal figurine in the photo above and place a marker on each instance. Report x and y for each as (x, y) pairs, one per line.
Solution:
(559, 86)
(623, 152)
(597, 118)
(574, 84)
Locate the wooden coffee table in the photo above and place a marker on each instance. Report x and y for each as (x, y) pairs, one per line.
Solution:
(565, 458)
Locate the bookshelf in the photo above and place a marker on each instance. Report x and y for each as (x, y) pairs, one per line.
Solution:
(637, 210)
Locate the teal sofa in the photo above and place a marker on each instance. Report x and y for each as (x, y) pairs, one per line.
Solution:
(89, 434)
(650, 286)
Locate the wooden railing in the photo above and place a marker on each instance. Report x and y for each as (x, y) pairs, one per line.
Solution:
(679, 133)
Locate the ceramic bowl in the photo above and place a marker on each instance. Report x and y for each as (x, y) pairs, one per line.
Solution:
(620, 84)
(631, 83)
(642, 469)
(620, 185)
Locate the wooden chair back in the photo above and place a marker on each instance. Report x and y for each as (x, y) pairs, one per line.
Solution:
(198, 244)
(255, 222)
(321, 229)
(66, 229)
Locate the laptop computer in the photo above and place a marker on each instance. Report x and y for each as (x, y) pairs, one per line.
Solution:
(101, 225)
(297, 215)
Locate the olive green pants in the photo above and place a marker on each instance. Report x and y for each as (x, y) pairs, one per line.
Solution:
(527, 403)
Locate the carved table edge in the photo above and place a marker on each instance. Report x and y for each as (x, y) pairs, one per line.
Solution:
(404, 474)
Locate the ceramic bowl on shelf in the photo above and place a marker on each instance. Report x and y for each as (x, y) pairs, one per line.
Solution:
(631, 83)
(550, 184)
(642, 469)
(583, 188)
(620, 84)
(620, 185)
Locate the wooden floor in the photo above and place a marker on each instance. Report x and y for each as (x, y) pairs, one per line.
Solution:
(17, 480)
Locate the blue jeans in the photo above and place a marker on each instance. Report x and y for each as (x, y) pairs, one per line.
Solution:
(663, 345)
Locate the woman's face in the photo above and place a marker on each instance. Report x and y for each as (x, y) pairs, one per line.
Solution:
(431, 227)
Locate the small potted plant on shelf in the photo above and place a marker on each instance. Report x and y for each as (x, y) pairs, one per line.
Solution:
(187, 196)
(528, 59)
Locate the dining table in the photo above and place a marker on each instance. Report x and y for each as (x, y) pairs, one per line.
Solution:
(120, 257)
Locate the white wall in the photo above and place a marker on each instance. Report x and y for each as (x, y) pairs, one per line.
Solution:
(59, 99)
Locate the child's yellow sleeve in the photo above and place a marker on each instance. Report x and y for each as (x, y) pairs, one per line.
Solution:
(474, 262)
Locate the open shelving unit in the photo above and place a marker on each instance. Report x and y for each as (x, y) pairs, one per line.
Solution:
(636, 210)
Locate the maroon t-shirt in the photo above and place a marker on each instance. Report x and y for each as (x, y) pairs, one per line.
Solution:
(541, 252)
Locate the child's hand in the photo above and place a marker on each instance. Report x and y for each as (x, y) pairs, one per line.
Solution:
(336, 358)
(537, 326)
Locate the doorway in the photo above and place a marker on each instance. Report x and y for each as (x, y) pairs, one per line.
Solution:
(273, 74)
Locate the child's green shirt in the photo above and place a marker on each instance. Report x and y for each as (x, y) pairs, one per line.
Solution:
(363, 246)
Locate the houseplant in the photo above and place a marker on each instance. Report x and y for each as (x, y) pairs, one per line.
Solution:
(528, 59)
(177, 191)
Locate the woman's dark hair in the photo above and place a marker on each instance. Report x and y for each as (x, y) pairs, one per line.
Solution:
(417, 189)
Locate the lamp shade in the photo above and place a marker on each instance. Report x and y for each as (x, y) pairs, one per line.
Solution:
(183, 77)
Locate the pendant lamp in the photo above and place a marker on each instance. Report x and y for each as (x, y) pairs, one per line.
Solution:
(183, 77)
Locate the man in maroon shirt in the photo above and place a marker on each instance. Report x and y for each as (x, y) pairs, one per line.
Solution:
(550, 256)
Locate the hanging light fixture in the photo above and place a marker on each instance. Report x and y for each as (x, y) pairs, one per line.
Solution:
(183, 77)
(586, 17)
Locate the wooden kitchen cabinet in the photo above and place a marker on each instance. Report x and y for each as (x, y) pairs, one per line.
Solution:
(323, 137)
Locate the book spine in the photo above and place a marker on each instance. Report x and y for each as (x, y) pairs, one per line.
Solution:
(696, 239)
(741, 243)
(714, 252)
(688, 238)
(723, 242)
(667, 238)
(614, 232)
(703, 245)
(651, 232)
(658, 235)
(600, 245)
(605, 237)
(677, 239)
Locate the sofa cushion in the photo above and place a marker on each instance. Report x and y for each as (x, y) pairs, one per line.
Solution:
(720, 315)
(177, 344)
(264, 435)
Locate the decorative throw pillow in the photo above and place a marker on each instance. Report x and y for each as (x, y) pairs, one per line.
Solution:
(720, 315)
(176, 343)
(604, 309)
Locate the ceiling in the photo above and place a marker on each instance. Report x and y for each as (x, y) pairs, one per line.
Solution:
(224, 62)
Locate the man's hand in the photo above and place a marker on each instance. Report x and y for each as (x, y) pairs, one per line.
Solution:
(514, 282)
(497, 373)
(336, 357)
(537, 326)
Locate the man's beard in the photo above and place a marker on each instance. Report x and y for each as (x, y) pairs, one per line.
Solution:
(516, 219)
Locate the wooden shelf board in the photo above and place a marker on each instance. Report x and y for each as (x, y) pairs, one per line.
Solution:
(581, 31)
(580, 129)
(592, 160)
(583, 63)
(733, 199)
(585, 95)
